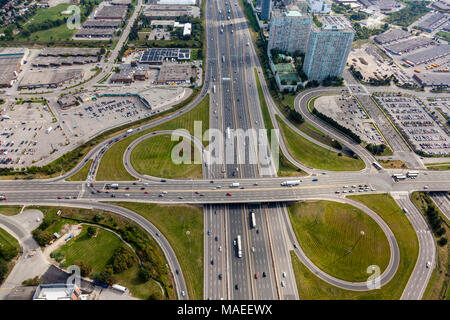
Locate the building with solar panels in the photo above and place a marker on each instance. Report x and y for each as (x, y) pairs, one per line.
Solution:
(156, 56)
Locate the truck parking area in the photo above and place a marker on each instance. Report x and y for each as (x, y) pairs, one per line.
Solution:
(417, 124)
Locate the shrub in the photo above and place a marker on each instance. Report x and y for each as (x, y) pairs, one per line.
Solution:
(442, 242)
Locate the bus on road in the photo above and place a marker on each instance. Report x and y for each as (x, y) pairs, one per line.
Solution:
(252, 219)
(239, 246)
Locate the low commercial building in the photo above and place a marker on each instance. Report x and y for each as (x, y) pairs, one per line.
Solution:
(319, 6)
(11, 60)
(102, 24)
(58, 291)
(187, 29)
(50, 79)
(176, 73)
(443, 5)
(433, 79)
(99, 33)
(111, 12)
(432, 22)
(72, 52)
(157, 11)
(67, 101)
(428, 55)
(129, 73)
(121, 2)
(409, 45)
(159, 55)
(178, 2)
(391, 36)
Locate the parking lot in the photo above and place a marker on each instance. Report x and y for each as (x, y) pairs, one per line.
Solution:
(441, 109)
(417, 123)
(94, 116)
(348, 112)
(29, 135)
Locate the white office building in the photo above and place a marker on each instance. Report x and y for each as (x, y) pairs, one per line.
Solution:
(319, 6)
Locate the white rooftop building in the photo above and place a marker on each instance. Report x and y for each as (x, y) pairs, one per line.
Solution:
(187, 29)
(319, 6)
(178, 2)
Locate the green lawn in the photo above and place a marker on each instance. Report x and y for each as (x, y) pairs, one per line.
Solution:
(174, 222)
(111, 165)
(10, 210)
(96, 251)
(440, 278)
(8, 240)
(153, 157)
(10, 248)
(439, 167)
(315, 156)
(82, 174)
(311, 287)
(330, 235)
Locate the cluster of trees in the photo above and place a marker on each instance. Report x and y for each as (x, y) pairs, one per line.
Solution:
(295, 116)
(335, 124)
(312, 84)
(407, 15)
(30, 28)
(362, 32)
(7, 253)
(122, 259)
(434, 220)
(376, 149)
(333, 82)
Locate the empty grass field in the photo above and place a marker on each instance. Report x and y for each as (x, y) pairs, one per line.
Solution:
(439, 167)
(10, 210)
(315, 156)
(175, 222)
(82, 174)
(7, 239)
(330, 235)
(153, 157)
(393, 164)
(8, 242)
(311, 287)
(96, 251)
(111, 165)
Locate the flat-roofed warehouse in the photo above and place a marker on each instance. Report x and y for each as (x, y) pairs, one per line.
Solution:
(111, 12)
(10, 62)
(62, 61)
(433, 79)
(50, 79)
(432, 22)
(95, 33)
(159, 55)
(102, 24)
(409, 45)
(428, 55)
(176, 73)
(73, 52)
(156, 11)
(391, 35)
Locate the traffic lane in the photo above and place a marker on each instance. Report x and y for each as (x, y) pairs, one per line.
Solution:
(421, 274)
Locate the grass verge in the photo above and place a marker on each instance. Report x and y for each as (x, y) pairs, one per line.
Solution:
(315, 156)
(10, 210)
(330, 235)
(174, 222)
(82, 174)
(438, 286)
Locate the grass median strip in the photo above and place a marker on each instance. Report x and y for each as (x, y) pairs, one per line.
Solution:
(183, 228)
(82, 174)
(315, 156)
(311, 287)
(153, 157)
(9, 250)
(339, 239)
(111, 166)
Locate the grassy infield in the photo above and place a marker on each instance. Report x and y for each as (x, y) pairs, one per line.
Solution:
(311, 287)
